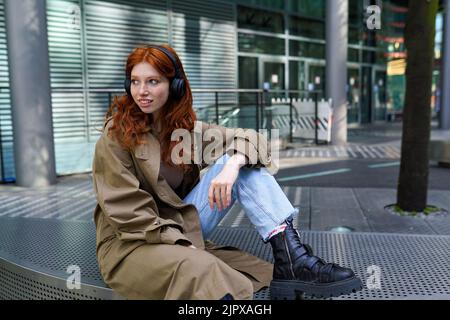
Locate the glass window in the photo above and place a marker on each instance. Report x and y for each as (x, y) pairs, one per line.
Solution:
(380, 57)
(260, 20)
(274, 75)
(355, 12)
(248, 73)
(396, 91)
(306, 49)
(353, 95)
(309, 28)
(354, 35)
(274, 4)
(260, 44)
(248, 79)
(353, 55)
(370, 38)
(368, 56)
(316, 77)
(357, 31)
(308, 8)
(296, 75)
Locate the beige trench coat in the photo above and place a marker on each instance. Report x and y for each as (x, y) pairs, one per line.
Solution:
(139, 217)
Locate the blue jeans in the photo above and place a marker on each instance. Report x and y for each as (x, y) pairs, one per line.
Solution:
(259, 194)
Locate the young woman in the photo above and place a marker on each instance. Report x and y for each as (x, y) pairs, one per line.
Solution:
(154, 213)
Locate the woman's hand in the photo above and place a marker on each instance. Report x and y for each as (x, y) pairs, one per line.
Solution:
(221, 186)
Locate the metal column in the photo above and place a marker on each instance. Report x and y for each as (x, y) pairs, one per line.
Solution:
(336, 69)
(444, 115)
(28, 58)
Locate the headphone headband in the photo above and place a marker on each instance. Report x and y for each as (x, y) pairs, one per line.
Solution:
(177, 85)
(171, 57)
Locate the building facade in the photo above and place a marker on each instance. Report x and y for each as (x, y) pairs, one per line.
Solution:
(272, 44)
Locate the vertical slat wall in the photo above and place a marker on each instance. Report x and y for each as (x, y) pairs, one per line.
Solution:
(65, 42)
(204, 35)
(113, 28)
(66, 70)
(88, 44)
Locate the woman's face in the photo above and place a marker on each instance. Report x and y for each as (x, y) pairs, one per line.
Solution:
(149, 89)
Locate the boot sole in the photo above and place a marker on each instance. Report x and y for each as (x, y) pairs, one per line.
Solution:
(293, 289)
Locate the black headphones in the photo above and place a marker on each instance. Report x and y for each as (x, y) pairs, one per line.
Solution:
(177, 85)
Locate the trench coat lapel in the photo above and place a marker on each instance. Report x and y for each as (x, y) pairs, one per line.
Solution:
(148, 157)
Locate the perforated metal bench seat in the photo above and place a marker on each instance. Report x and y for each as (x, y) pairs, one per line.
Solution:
(35, 255)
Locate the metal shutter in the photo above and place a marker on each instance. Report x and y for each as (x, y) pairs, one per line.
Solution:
(113, 29)
(204, 35)
(66, 70)
(65, 42)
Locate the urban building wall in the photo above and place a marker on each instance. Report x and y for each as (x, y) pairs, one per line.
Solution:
(271, 44)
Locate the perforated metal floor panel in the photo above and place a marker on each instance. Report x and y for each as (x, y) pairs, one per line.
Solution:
(35, 255)
(410, 266)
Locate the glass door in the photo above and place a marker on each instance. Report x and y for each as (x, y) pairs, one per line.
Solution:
(353, 95)
(297, 76)
(273, 78)
(245, 114)
(379, 94)
(366, 94)
(316, 77)
(273, 75)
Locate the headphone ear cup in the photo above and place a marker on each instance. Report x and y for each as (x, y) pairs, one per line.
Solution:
(178, 88)
(127, 85)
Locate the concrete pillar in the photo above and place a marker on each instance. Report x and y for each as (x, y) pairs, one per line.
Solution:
(27, 43)
(444, 116)
(336, 69)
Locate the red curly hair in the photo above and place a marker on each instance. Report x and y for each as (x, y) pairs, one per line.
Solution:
(130, 123)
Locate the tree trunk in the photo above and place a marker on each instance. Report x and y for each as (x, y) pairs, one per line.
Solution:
(419, 41)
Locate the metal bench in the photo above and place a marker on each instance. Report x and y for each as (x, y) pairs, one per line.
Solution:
(35, 255)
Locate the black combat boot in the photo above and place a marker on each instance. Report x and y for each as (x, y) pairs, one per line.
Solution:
(297, 270)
